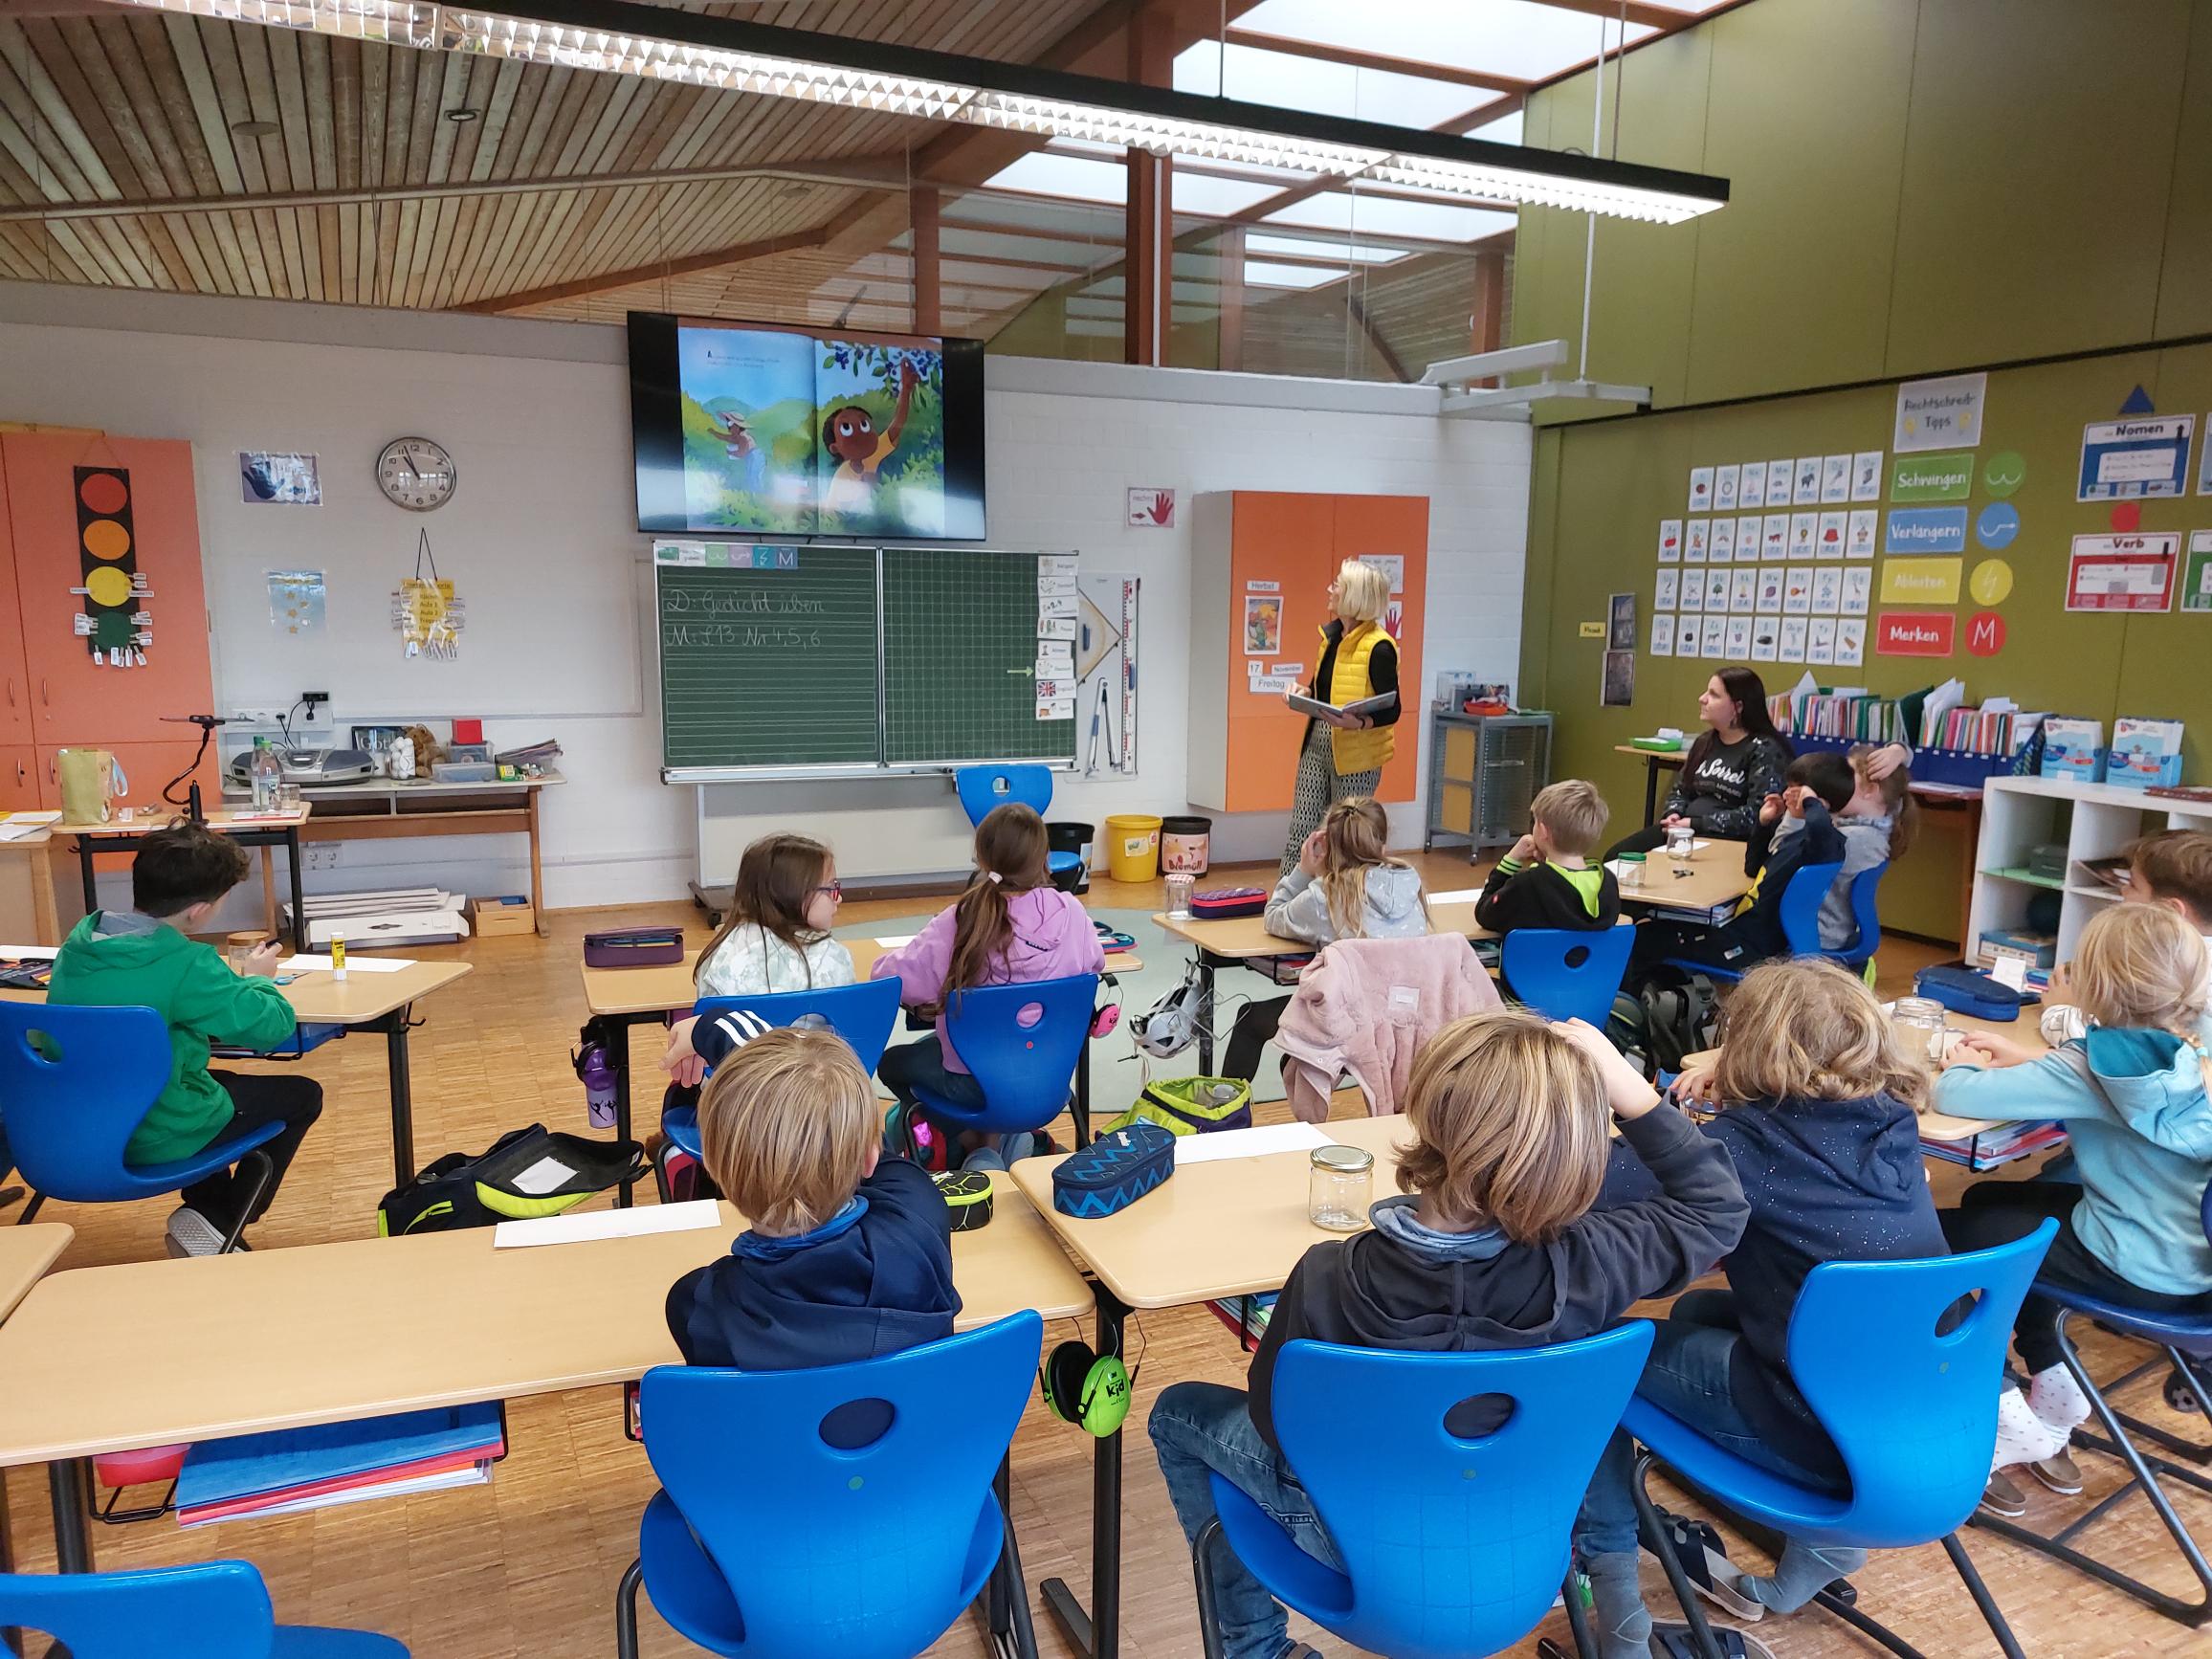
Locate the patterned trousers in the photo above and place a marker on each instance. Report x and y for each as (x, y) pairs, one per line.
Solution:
(1319, 783)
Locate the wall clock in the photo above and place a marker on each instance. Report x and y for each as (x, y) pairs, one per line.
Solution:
(415, 474)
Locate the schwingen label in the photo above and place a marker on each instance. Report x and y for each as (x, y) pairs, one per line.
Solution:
(1926, 530)
(1946, 477)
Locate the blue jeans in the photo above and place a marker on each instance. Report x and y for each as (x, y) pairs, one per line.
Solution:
(1200, 1428)
(1687, 1378)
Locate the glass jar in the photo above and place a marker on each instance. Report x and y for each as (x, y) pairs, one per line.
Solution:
(1921, 1027)
(1178, 886)
(1680, 841)
(1342, 1187)
(1632, 873)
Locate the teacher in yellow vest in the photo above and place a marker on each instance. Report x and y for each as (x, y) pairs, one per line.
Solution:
(1344, 756)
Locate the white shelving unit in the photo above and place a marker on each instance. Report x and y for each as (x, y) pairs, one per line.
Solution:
(2093, 821)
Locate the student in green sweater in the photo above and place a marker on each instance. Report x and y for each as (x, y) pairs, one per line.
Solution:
(145, 957)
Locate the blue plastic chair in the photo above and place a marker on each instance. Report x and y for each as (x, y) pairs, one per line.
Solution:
(2186, 1344)
(984, 787)
(863, 1015)
(1866, 915)
(1801, 918)
(1564, 973)
(69, 1117)
(1027, 1070)
(767, 1540)
(1912, 1414)
(1451, 1547)
(209, 1610)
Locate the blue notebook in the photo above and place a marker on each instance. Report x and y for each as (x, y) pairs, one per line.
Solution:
(219, 1471)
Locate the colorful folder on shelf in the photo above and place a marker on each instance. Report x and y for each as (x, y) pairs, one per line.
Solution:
(288, 1470)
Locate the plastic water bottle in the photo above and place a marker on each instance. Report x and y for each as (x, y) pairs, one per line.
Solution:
(598, 1073)
(265, 772)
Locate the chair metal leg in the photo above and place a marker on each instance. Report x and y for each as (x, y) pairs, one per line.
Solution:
(1208, 1608)
(1991, 1614)
(30, 1209)
(626, 1610)
(1654, 1535)
(267, 1167)
(1009, 1581)
(1577, 1616)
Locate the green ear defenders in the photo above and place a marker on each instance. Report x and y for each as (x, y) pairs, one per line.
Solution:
(1089, 1390)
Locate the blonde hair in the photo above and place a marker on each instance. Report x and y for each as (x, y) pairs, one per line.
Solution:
(1573, 811)
(1353, 833)
(1363, 591)
(1513, 1125)
(2141, 966)
(1800, 1029)
(785, 1124)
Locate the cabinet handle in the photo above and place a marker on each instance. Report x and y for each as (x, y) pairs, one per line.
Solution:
(19, 774)
(11, 693)
(42, 697)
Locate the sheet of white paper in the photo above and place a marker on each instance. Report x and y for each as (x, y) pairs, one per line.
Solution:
(898, 940)
(29, 951)
(367, 964)
(2009, 971)
(1457, 896)
(582, 1225)
(543, 1177)
(20, 831)
(1254, 1143)
(33, 817)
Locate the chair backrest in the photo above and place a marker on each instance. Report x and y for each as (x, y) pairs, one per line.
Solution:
(1452, 1546)
(852, 1553)
(1024, 1069)
(75, 1084)
(1913, 1410)
(863, 1015)
(209, 1610)
(983, 787)
(1865, 916)
(1566, 973)
(1800, 905)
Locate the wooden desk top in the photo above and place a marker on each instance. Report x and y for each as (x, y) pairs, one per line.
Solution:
(653, 990)
(156, 1353)
(318, 999)
(1716, 877)
(26, 1252)
(1221, 1228)
(1247, 936)
(222, 818)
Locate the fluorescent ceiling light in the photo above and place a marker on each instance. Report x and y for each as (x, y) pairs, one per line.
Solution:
(1521, 39)
(617, 37)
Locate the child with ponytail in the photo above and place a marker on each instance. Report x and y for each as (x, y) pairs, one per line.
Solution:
(1010, 926)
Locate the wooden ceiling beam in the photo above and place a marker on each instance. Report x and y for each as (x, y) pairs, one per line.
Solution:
(1353, 58)
(691, 264)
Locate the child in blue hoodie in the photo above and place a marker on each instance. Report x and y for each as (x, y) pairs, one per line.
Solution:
(850, 1254)
(2132, 1093)
(1819, 1112)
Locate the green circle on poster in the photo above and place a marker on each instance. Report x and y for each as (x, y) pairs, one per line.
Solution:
(2004, 474)
(1991, 581)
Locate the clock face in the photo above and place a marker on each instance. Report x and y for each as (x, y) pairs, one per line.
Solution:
(415, 474)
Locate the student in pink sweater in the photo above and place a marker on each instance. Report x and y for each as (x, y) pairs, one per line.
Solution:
(1010, 926)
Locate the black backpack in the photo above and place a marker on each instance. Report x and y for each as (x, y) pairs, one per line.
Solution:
(1667, 1015)
(528, 1172)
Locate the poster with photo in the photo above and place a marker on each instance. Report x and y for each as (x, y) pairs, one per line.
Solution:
(1617, 686)
(1263, 625)
(1726, 481)
(1620, 624)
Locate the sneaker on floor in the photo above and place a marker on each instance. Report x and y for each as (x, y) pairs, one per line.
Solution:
(2001, 1497)
(1703, 1557)
(2061, 1473)
(192, 1234)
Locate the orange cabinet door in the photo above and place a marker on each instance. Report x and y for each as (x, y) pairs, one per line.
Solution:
(74, 700)
(14, 678)
(1287, 539)
(18, 778)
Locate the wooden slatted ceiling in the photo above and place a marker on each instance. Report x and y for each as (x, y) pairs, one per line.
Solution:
(128, 107)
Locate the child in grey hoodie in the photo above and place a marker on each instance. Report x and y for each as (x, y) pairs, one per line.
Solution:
(1345, 886)
(1877, 824)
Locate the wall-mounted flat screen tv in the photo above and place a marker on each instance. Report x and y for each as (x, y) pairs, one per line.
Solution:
(748, 429)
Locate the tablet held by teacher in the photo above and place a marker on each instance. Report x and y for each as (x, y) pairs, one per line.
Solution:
(1737, 761)
(1351, 704)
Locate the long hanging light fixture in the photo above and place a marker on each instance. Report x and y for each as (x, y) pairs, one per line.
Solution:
(618, 37)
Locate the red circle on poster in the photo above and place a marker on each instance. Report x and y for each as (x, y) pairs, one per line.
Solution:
(1984, 633)
(104, 492)
(2127, 517)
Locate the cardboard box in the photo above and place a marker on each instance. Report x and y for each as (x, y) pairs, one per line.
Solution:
(2073, 749)
(2144, 753)
(493, 917)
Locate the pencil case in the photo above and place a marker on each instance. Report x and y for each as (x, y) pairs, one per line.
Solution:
(1226, 902)
(968, 1194)
(1114, 1171)
(633, 947)
(1965, 991)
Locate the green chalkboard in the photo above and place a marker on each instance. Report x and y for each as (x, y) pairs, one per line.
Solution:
(960, 655)
(770, 668)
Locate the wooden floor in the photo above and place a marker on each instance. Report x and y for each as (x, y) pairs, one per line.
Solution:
(528, 1565)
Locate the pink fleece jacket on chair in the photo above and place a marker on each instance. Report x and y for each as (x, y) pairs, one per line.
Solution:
(1365, 1005)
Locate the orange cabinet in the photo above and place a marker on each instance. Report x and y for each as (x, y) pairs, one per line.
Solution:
(69, 697)
(1262, 561)
(14, 681)
(18, 778)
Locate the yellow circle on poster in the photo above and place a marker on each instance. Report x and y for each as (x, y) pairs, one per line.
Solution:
(107, 585)
(1991, 581)
(105, 539)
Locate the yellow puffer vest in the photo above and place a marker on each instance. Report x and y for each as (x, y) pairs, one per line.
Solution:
(1360, 751)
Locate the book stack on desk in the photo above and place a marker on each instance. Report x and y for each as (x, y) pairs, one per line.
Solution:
(1244, 1315)
(289, 1472)
(2000, 1143)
